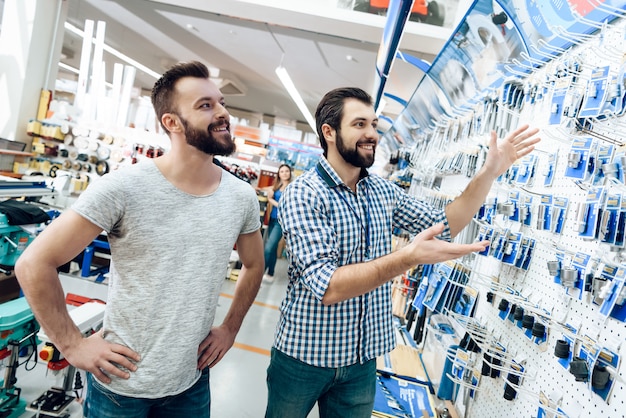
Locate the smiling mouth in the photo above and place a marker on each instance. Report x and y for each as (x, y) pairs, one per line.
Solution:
(223, 128)
(367, 147)
(220, 126)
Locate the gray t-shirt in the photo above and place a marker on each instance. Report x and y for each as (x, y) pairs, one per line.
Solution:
(170, 251)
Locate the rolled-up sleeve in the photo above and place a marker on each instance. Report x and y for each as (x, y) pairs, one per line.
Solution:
(405, 216)
(303, 214)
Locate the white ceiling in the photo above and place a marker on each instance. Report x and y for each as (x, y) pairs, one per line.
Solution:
(247, 40)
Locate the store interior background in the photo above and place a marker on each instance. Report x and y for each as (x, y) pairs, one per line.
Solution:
(243, 41)
(322, 44)
(325, 46)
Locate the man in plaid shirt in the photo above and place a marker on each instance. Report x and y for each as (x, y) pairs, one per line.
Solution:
(337, 221)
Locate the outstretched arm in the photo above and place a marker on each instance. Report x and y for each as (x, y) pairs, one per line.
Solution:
(501, 155)
(357, 279)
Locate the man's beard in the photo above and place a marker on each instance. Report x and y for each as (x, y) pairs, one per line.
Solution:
(352, 156)
(206, 142)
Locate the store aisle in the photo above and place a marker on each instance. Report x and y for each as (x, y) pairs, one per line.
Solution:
(238, 386)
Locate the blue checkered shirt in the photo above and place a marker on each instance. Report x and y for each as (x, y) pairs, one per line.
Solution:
(326, 225)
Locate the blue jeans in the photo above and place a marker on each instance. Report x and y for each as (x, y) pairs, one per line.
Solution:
(274, 234)
(294, 387)
(194, 402)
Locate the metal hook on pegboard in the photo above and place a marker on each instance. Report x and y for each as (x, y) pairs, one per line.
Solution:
(545, 54)
(593, 122)
(532, 396)
(534, 63)
(575, 38)
(564, 137)
(479, 279)
(465, 384)
(610, 55)
(502, 107)
(613, 125)
(479, 333)
(514, 71)
(509, 365)
(556, 49)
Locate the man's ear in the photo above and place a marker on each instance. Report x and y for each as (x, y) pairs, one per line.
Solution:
(328, 132)
(171, 122)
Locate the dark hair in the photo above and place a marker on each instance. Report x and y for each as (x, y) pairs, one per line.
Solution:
(330, 109)
(278, 183)
(164, 93)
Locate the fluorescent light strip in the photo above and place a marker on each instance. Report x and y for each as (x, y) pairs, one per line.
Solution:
(282, 74)
(116, 53)
(77, 71)
(381, 106)
(69, 68)
(280, 71)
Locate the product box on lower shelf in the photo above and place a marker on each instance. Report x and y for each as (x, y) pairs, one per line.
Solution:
(439, 337)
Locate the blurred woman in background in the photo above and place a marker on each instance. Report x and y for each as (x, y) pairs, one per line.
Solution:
(274, 231)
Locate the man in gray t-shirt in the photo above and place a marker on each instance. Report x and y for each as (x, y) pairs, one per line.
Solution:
(172, 223)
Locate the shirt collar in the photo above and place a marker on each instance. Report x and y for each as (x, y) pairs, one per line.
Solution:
(330, 176)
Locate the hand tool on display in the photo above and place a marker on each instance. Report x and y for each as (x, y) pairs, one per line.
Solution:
(412, 282)
(13, 242)
(420, 309)
(56, 401)
(18, 329)
(410, 317)
(418, 334)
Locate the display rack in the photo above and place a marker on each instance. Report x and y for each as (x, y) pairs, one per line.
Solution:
(11, 187)
(557, 66)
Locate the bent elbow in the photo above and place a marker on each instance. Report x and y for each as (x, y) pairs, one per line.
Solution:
(21, 271)
(330, 299)
(24, 270)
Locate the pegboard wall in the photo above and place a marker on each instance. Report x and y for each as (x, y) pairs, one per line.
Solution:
(565, 201)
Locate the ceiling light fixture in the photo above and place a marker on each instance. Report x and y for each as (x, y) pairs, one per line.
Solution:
(284, 78)
(116, 53)
(69, 68)
(283, 75)
(381, 106)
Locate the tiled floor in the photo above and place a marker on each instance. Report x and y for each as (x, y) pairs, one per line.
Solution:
(238, 382)
(238, 387)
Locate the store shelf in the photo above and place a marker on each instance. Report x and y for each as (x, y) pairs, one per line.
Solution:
(11, 174)
(11, 187)
(16, 153)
